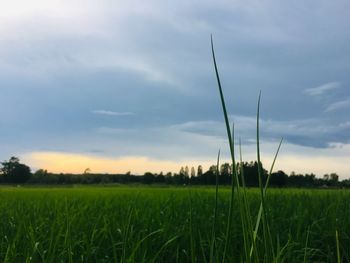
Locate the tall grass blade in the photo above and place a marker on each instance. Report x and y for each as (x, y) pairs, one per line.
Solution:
(306, 244)
(139, 243)
(228, 130)
(257, 225)
(213, 237)
(250, 234)
(338, 246)
(193, 259)
(227, 123)
(272, 166)
(266, 231)
(230, 212)
(127, 229)
(171, 240)
(234, 178)
(68, 241)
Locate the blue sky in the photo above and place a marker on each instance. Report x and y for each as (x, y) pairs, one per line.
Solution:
(130, 85)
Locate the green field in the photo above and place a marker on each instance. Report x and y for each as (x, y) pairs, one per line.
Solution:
(161, 224)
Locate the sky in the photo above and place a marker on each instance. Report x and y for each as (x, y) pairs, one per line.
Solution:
(119, 86)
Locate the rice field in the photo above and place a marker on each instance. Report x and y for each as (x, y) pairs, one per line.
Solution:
(169, 224)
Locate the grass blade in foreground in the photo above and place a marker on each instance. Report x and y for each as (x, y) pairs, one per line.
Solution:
(227, 123)
(265, 189)
(269, 251)
(248, 215)
(249, 236)
(338, 246)
(242, 209)
(213, 237)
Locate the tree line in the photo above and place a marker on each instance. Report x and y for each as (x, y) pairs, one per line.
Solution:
(15, 172)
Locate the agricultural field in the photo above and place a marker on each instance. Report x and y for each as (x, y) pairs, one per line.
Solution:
(169, 224)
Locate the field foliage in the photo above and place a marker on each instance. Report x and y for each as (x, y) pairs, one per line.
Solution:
(166, 224)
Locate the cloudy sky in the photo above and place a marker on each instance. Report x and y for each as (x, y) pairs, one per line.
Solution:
(130, 85)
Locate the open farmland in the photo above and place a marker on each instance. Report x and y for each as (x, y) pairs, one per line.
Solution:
(161, 224)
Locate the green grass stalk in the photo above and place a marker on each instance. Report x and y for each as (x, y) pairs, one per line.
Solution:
(213, 237)
(338, 246)
(269, 251)
(265, 190)
(234, 179)
(306, 244)
(231, 145)
(248, 215)
(193, 258)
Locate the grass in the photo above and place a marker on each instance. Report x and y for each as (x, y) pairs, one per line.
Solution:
(145, 224)
(272, 252)
(249, 236)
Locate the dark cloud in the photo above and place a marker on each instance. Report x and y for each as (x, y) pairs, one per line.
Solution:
(123, 68)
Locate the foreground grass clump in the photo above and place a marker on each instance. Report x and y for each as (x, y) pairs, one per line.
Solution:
(135, 224)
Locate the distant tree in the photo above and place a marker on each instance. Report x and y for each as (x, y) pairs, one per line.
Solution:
(225, 173)
(193, 172)
(199, 171)
(299, 180)
(346, 183)
(41, 173)
(331, 179)
(250, 171)
(160, 178)
(309, 180)
(209, 177)
(182, 171)
(326, 177)
(278, 179)
(168, 178)
(179, 178)
(14, 171)
(148, 178)
(39, 176)
(187, 171)
(334, 177)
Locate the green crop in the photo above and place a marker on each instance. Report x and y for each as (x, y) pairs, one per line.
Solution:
(160, 224)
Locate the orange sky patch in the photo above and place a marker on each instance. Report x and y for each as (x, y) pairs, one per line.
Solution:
(58, 162)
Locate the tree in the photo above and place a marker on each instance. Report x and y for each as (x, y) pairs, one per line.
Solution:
(334, 177)
(193, 172)
(278, 179)
(41, 173)
(14, 171)
(187, 171)
(210, 175)
(225, 173)
(326, 177)
(160, 178)
(199, 171)
(148, 178)
(182, 171)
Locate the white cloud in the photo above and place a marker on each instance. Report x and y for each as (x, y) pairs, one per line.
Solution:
(113, 113)
(125, 60)
(320, 90)
(345, 125)
(343, 104)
